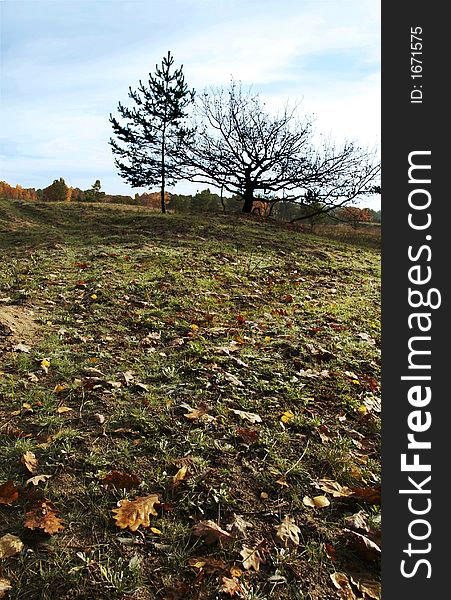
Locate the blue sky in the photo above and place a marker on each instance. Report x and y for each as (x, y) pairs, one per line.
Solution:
(65, 64)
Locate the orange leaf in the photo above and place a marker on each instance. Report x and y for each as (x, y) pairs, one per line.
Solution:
(133, 513)
(44, 516)
(8, 493)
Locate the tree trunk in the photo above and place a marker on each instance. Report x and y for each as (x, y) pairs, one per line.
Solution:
(248, 200)
(163, 171)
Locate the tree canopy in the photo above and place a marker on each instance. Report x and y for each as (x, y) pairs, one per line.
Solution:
(241, 147)
(151, 132)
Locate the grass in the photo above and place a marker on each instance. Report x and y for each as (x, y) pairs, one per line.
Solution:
(225, 313)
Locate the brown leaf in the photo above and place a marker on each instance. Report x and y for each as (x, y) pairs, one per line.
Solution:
(341, 582)
(37, 479)
(252, 558)
(10, 545)
(238, 526)
(30, 462)
(366, 586)
(133, 513)
(208, 564)
(232, 586)
(249, 436)
(93, 372)
(8, 492)
(288, 532)
(210, 531)
(334, 488)
(121, 481)
(128, 377)
(358, 521)
(370, 495)
(44, 516)
(363, 546)
(199, 414)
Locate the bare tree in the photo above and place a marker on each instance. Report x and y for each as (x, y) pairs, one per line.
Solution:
(240, 147)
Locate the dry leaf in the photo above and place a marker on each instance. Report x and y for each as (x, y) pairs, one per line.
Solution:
(44, 516)
(128, 377)
(58, 388)
(93, 372)
(10, 545)
(249, 436)
(37, 479)
(341, 582)
(30, 462)
(282, 481)
(180, 475)
(99, 418)
(366, 586)
(334, 488)
(252, 558)
(248, 416)
(208, 564)
(21, 348)
(235, 571)
(196, 414)
(232, 379)
(358, 521)
(8, 493)
(210, 531)
(5, 586)
(370, 495)
(288, 532)
(366, 548)
(121, 481)
(137, 512)
(238, 526)
(316, 502)
(232, 586)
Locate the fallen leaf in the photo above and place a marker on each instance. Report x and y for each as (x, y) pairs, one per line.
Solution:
(210, 531)
(100, 418)
(10, 545)
(249, 436)
(238, 526)
(370, 495)
(316, 502)
(288, 532)
(121, 481)
(45, 364)
(21, 348)
(334, 488)
(312, 373)
(133, 513)
(287, 416)
(63, 409)
(5, 586)
(252, 558)
(201, 413)
(30, 462)
(232, 586)
(180, 475)
(93, 372)
(208, 564)
(282, 481)
(366, 548)
(141, 387)
(44, 516)
(58, 388)
(128, 377)
(232, 379)
(358, 521)
(366, 586)
(37, 479)
(341, 582)
(248, 416)
(235, 571)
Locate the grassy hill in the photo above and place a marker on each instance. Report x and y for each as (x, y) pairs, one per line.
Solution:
(224, 370)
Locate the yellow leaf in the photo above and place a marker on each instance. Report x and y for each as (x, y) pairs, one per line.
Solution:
(194, 327)
(180, 475)
(264, 496)
(63, 409)
(282, 481)
(287, 416)
(10, 545)
(27, 406)
(94, 296)
(267, 338)
(235, 572)
(58, 388)
(155, 531)
(321, 501)
(45, 364)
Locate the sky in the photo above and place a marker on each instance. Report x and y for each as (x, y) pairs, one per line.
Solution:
(65, 64)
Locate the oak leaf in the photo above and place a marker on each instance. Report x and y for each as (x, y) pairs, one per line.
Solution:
(288, 532)
(30, 462)
(366, 586)
(44, 516)
(8, 492)
(10, 545)
(238, 526)
(133, 513)
(252, 557)
(210, 532)
(248, 416)
(341, 582)
(230, 586)
(37, 479)
(121, 481)
(370, 495)
(334, 488)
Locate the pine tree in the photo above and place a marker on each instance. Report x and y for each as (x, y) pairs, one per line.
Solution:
(153, 129)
